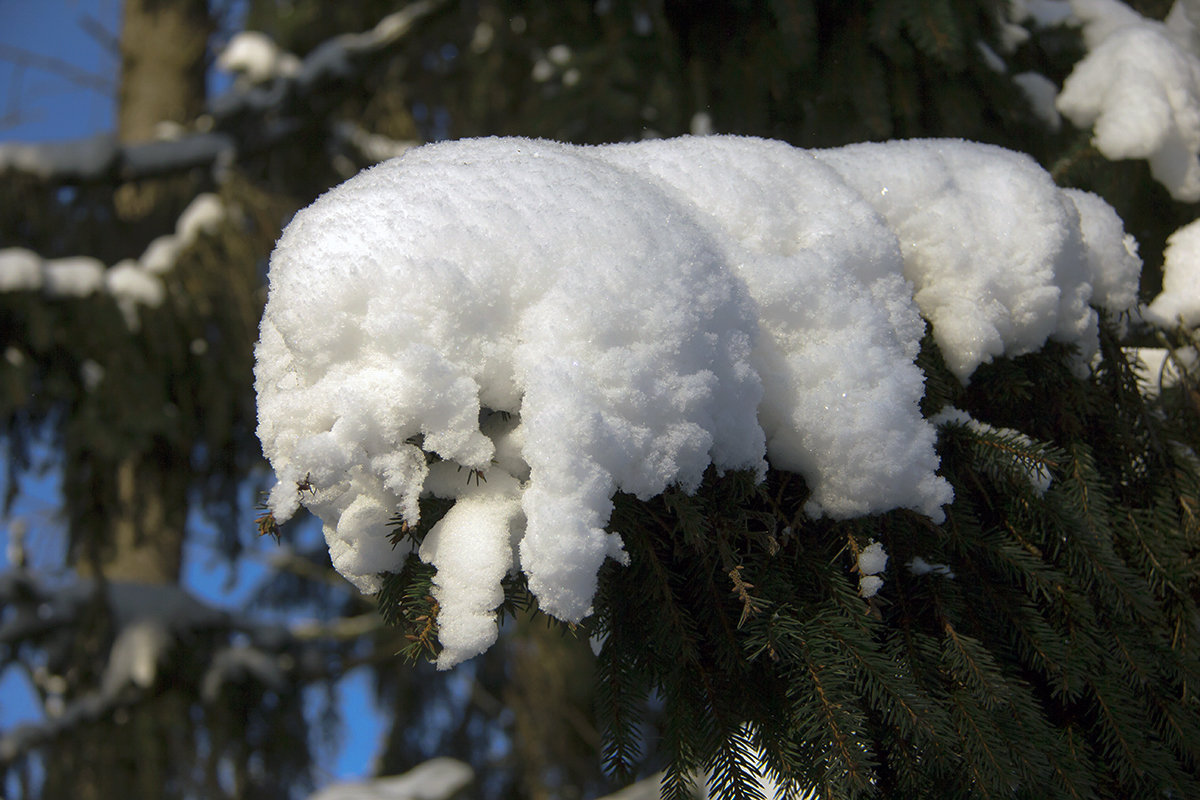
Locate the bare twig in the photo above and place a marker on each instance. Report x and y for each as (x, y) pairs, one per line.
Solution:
(100, 33)
(64, 69)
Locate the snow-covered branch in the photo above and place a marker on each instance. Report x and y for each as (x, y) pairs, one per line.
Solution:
(563, 323)
(1138, 88)
(150, 624)
(132, 283)
(254, 116)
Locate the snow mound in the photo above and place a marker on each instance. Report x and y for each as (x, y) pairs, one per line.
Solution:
(1138, 88)
(993, 248)
(530, 327)
(1179, 301)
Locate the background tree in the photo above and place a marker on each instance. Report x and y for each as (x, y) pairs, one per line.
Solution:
(139, 375)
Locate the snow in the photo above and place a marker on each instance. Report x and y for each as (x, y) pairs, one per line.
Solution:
(1158, 368)
(1179, 301)
(76, 276)
(436, 779)
(1036, 472)
(1042, 94)
(869, 586)
(20, 270)
(133, 284)
(234, 664)
(91, 373)
(1113, 262)
(991, 58)
(204, 214)
(373, 146)
(872, 560)
(1043, 13)
(529, 327)
(255, 56)
(919, 566)
(992, 247)
(160, 255)
(701, 124)
(82, 158)
(472, 548)
(135, 655)
(148, 621)
(1138, 88)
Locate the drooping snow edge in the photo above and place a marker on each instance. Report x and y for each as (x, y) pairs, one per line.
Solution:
(632, 314)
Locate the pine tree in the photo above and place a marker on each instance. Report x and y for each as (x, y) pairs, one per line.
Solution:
(1039, 643)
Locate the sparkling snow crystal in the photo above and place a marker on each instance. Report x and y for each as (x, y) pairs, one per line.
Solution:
(558, 323)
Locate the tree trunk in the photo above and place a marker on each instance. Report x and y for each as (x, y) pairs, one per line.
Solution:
(143, 533)
(163, 63)
(133, 752)
(163, 46)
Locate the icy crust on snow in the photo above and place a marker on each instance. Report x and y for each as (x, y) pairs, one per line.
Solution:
(558, 323)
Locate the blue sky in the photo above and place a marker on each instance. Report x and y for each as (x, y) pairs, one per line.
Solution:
(38, 101)
(58, 72)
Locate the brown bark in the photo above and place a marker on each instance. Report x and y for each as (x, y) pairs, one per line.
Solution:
(143, 495)
(163, 62)
(144, 527)
(163, 54)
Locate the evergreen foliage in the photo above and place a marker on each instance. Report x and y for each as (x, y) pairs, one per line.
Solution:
(1049, 651)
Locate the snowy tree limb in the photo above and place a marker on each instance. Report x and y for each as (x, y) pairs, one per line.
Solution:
(248, 120)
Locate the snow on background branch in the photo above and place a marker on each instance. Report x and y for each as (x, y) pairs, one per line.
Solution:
(269, 83)
(131, 282)
(566, 322)
(1139, 89)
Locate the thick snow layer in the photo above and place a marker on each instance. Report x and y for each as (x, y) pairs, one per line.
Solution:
(1138, 88)
(557, 323)
(992, 247)
(838, 330)
(1113, 263)
(1179, 301)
